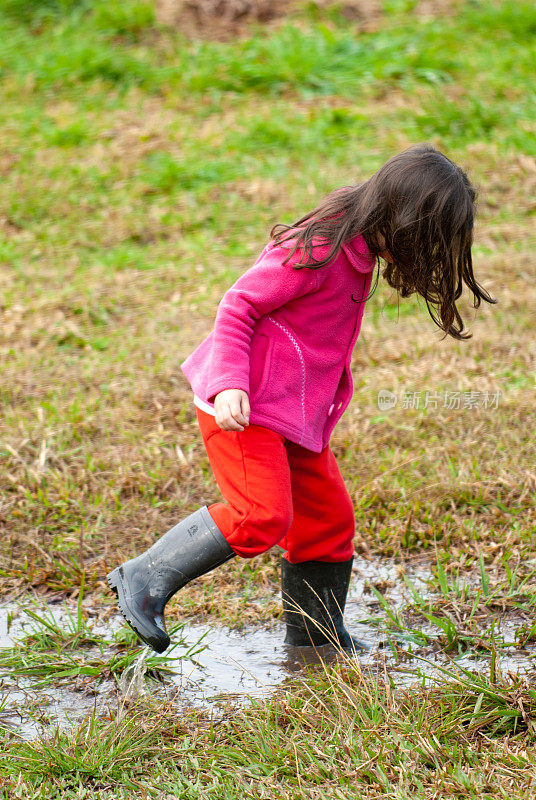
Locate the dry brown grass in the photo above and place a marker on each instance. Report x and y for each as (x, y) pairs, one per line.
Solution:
(101, 447)
(231, 19)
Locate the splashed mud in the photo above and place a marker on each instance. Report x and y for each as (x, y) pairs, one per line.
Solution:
(214, 666)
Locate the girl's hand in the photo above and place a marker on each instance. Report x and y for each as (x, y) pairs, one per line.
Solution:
(232, 409)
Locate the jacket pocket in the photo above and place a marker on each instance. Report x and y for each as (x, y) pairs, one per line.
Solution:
(260, 364)
(285, 384)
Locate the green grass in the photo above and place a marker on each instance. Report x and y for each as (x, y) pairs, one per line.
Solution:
(54, 651)
(459, 616)
(96, 752)
(140, 174)
(116, 231)
(339, 734)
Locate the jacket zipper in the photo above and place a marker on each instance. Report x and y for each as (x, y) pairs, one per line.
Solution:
(348, 373)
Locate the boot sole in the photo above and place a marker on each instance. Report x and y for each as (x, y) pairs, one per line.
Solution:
(115, 582)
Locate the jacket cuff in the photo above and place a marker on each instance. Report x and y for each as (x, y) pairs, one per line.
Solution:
(225, 383)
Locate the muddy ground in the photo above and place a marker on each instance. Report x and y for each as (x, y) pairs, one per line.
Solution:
(214, 667)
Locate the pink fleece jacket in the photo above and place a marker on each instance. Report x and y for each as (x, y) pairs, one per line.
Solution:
(285, 336)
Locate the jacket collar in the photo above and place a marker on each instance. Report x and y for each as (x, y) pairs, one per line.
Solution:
(358, 254)
(356, 251)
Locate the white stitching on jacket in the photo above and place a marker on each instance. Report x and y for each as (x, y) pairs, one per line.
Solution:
(302, 360)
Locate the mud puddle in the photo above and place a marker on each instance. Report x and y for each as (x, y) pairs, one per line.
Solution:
(238, 665)
(211, 667)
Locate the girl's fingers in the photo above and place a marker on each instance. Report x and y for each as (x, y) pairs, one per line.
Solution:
(236, 411)
(225, 419)
(232, 411)
(245, 407)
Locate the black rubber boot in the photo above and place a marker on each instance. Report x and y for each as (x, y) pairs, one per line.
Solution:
(318, 589)
(145, 584)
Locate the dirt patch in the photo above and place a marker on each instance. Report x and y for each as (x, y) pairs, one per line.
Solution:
(438, 8)
(226, 19)
(216, 19)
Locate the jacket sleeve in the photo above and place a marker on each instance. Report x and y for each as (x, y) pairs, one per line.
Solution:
(267, 285)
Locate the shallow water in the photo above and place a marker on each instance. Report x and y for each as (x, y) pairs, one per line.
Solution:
(6, 639)
(237, 665)
(245, 664)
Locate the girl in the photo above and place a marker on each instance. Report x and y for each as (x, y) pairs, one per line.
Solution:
(273, 378)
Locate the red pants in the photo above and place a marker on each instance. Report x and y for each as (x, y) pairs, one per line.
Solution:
(278, 492)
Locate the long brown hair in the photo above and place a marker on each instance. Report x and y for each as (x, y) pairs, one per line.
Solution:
(419, 208)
